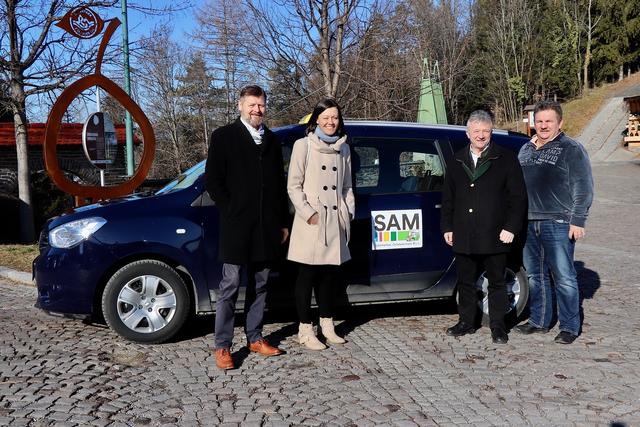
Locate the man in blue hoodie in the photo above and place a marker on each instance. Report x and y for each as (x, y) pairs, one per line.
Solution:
(560, 189)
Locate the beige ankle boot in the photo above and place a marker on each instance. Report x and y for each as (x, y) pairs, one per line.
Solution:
(307, 337)
(326, 323)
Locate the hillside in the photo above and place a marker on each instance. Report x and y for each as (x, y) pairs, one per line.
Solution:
(579, 112)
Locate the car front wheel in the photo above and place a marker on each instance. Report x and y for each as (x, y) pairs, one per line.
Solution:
(146, 302)
(517, 292)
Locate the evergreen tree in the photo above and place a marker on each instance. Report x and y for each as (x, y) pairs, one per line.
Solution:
(287, 101)
(616, 44)
(201, 99)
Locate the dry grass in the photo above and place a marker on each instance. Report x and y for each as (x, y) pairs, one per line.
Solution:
(580, 111)
(18, 257)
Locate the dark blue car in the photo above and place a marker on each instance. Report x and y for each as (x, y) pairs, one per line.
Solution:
(147, 261)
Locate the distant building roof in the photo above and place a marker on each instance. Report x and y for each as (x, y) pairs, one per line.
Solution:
(633, 103)
(70, 134)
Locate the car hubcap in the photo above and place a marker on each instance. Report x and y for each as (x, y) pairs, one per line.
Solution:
(513, 290)
(146, 304)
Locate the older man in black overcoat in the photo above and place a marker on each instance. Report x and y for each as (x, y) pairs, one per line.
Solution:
(245, 177)
(484, 203)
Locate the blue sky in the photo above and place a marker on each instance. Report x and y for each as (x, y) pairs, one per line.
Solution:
(141, 24)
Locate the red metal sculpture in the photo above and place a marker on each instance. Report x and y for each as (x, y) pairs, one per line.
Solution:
(82, 22)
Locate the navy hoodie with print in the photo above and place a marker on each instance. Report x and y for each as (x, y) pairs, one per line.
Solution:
(559, 180)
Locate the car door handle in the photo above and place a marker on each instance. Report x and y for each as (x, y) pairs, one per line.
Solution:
(438, 206)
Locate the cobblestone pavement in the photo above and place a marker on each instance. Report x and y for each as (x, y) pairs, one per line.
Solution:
(398, 368)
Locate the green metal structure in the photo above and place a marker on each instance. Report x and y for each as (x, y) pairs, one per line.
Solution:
(127, 88)
(431, 107)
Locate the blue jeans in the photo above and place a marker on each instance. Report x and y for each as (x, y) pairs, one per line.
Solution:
(548, 254)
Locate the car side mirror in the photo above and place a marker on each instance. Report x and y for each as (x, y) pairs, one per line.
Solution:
(203, 199)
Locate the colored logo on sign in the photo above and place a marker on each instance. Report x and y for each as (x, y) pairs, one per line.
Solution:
(396, 229)
(82, 22)
(394, 236)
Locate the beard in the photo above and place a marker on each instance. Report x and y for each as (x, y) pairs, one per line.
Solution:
(254, 120)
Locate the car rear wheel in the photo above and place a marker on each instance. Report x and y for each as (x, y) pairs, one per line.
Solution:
(517, 291)
(146, 302)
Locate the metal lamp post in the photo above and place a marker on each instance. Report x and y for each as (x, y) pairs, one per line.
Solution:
(127, 88)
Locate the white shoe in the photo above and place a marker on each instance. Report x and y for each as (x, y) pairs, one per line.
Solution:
(307, 337)
(326, 323)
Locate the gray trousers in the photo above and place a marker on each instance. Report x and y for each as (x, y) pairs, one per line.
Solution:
(254, 302)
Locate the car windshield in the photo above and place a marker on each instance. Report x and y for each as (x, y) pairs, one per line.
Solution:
(185, 179)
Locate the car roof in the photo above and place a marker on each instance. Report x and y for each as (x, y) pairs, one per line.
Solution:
(392, 124)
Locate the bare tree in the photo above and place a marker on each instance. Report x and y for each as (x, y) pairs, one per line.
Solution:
(36, 60)
(589, 27)
(442, 33)
(159, 72)
(384, 80)
(384, 70)
(222, 38)
(507, 32)
(315, 35)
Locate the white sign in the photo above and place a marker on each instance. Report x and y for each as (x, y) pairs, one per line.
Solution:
(396, 229)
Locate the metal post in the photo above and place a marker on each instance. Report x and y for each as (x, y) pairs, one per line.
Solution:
(127, 87)
(98, 106)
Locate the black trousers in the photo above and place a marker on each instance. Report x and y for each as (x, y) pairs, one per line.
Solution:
(469, 267)
(322, 279)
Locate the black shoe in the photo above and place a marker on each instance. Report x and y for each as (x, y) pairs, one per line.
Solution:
(565, 337)
(528, 329)
(499, 336)
(460, 329)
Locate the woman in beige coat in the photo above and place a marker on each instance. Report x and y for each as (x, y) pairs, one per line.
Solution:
(319, 185)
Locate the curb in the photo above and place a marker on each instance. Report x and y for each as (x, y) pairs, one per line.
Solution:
(16, 276)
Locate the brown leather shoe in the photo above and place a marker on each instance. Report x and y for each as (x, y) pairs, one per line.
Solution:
(264, 348)
(223, 358)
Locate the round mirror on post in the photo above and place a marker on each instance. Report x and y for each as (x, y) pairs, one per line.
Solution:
(99, 141)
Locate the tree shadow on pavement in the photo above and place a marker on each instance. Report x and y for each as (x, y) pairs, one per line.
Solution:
(199, 326)
(347, 319)
(356, 316)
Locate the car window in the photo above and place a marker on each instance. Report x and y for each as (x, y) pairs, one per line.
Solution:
(185, 179)
(365, 166)
(396, 165)
(420, 170)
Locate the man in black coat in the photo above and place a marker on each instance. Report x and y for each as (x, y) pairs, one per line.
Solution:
(484, 201)
(245, 177)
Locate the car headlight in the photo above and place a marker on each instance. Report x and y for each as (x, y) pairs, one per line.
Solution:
(70, 234)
